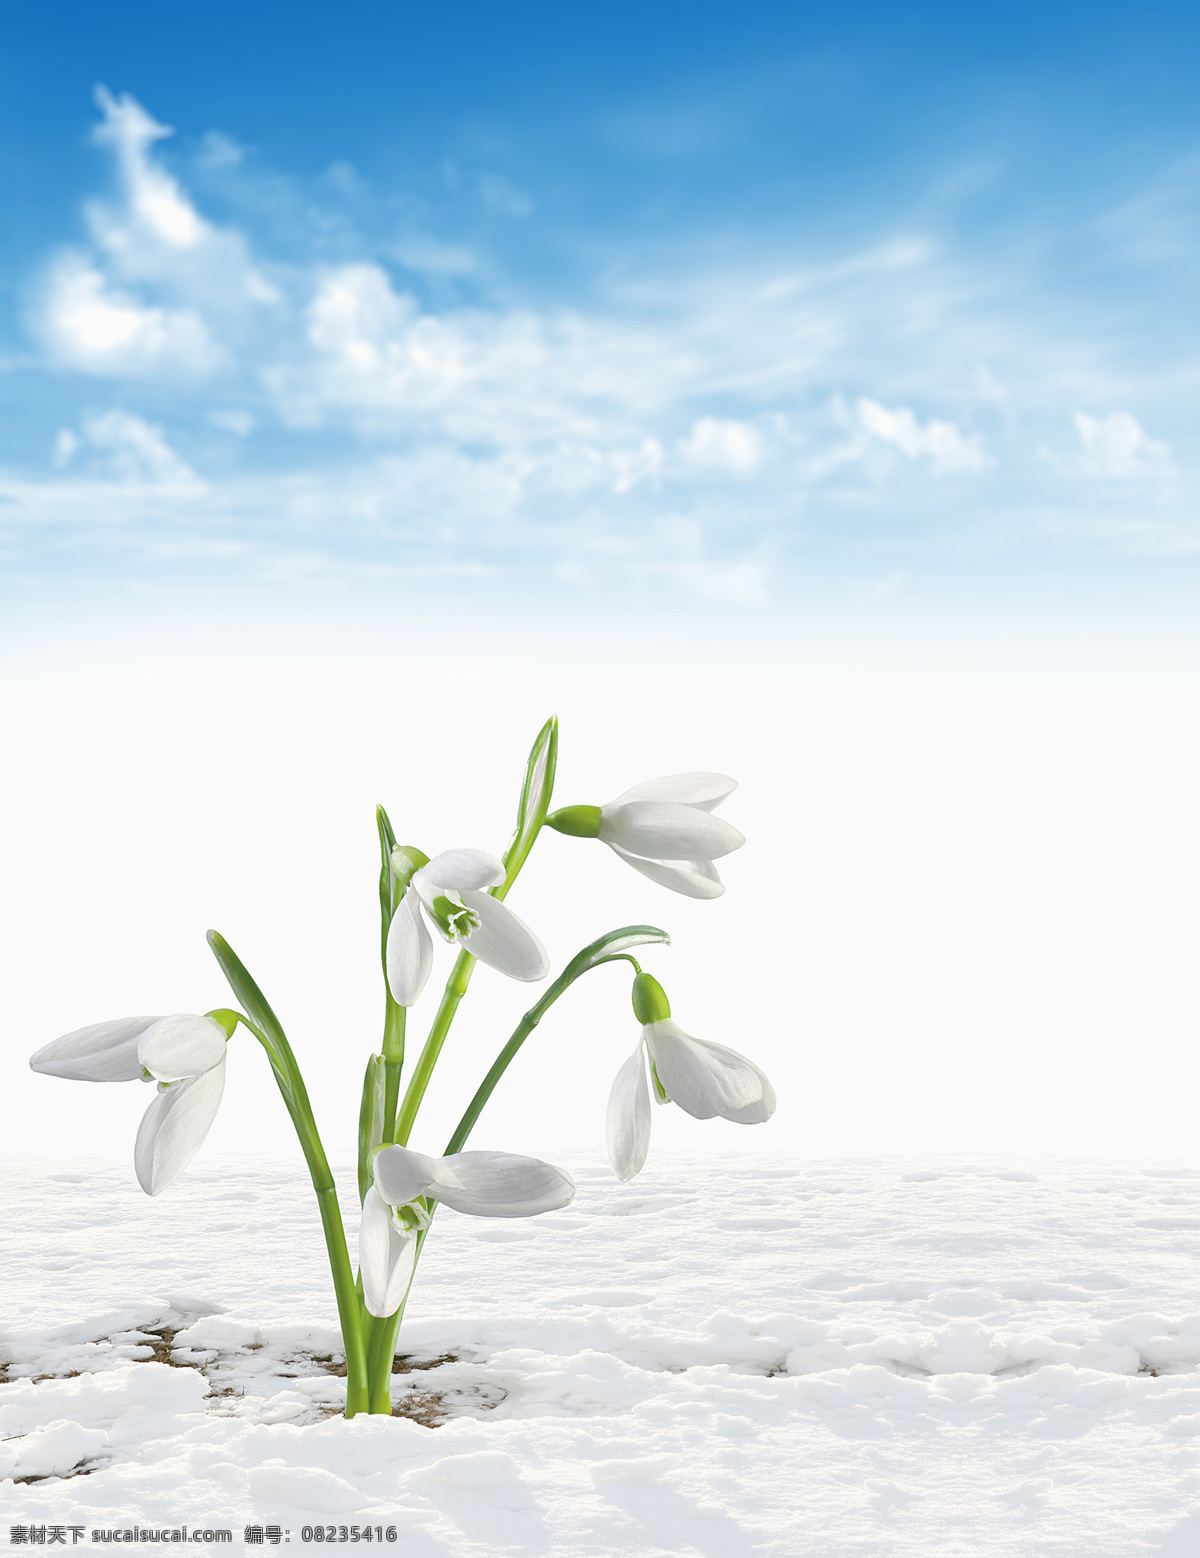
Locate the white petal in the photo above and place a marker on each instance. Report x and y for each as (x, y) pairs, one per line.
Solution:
(409, 952)
(664, 830)
(422, 889)
(693, 878)
(706, 1079)
(181, 1046)
(463, 870)
(503, 941)
(385, 1257)
(628, 1121)
(174, 1127)
(697, 789)
(500, 1184)
(403, 1175)
(103, 1052)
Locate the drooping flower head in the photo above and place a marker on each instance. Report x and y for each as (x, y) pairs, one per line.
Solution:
(665, 829)
(396, 1207)
(448, 892)
(704, 1079)
(184, 1054)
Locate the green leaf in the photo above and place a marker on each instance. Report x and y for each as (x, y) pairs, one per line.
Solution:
(613, 944)
(534, 802)
(251, 999)
(387, 891)
(370, 1120)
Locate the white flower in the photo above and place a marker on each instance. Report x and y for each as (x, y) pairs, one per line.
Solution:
(185, 1054)
(448, 890)
(664, 829)
(703, 1079)
(482, 1184)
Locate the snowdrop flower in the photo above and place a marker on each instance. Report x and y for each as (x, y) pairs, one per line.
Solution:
(482, 1184)
(184, 1054)
(664, 829)
(448, 890)
(703, 1079)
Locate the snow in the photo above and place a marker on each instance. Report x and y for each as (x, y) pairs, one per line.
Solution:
(730, 1355)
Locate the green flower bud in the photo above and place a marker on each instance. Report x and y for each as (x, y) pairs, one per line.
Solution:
(407, 860)
(650, 1002)
(228, 1020)
(581, 822)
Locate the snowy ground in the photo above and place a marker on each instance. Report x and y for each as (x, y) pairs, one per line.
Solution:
(729, 1356)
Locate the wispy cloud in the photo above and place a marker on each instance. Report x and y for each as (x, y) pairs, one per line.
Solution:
(1160, 222)
(395, 405)
(128, 450)
(1114, 449)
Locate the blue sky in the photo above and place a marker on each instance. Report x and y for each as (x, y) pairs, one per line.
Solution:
(728, 308)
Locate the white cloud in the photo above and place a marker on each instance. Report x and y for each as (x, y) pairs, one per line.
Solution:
(376, 351)
(226, 420)
(155, 201)
(947, 449)
(502, 197)
(889, 584)
(150, 297)
(721, 444)
(533, 384)
(218, 150)
(429, 256)
(675, 549)
(90, 326)
(990, 391)
(66, 443)
(631, 467)
(1115, 448)
(156, 234)
(1158, 225)
(130, 450)
(727, 584)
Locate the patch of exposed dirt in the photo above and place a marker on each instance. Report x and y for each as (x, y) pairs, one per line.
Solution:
(428, 1406)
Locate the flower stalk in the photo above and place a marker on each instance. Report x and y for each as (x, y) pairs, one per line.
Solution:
(663, 828)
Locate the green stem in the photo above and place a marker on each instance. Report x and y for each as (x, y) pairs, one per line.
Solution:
(382, 1333)
(393, 1063)
(531, 814)
(383, 1337)
(456, 988)
(522, 1031)
(390, 892)
(383, 1341)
